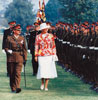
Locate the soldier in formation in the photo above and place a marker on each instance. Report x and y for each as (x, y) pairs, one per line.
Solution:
(78, 50)
(31, 46)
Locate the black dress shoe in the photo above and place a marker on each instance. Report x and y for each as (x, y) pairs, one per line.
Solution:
(92, 88)
(13, 91)
(96, 90)
(18, 90)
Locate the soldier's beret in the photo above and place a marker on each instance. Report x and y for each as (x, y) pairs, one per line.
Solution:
(29, 27)
(49, 23)
(52, 27)
(57, 24)
(93, 24)
(86, 22)
(12, 23)
(86, 27)
(96, 23)
(75, 24)
(17, 27)
(83, 26)
(60, 22)
(36, 23)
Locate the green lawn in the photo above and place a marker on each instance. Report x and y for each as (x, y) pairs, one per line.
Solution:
(65, 87)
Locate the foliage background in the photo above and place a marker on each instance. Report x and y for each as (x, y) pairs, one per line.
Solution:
(21, 12)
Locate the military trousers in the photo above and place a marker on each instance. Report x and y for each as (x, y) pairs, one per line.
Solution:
(34, 65)
(8, 67)
(15, 75)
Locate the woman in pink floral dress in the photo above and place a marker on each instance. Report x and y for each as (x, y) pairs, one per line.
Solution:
(44, 51)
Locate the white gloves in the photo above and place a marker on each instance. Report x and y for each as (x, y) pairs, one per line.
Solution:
(3, 51)
(9, 51)
(83, 56)
(28, 51)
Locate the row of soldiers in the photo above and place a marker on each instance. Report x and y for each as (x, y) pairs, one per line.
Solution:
(77, 50)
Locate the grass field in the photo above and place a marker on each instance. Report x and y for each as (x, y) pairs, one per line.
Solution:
(65, 87)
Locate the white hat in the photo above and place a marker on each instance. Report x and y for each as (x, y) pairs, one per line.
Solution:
(44, 26)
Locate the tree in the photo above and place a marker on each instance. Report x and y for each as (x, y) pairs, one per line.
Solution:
(21, 12)
(79, 10)
(52, 11)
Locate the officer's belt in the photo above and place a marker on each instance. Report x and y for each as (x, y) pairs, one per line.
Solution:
(92, 47)
(16, 50)
(95, 48)
(79, 46)
(65, 42)
(60, 40)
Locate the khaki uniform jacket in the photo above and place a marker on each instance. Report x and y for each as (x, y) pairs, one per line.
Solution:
(17, 50)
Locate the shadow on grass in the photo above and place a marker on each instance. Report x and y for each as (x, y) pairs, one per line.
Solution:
(67, 84)
(31, 88)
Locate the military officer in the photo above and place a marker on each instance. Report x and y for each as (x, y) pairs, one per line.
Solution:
(31, 47)
(27, 35)
(17, 54)
(7, 32)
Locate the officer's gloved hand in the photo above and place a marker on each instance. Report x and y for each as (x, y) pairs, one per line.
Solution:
(83, 56)
(88, 57)
(9, 51)
(28, 51)
(3, 51)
